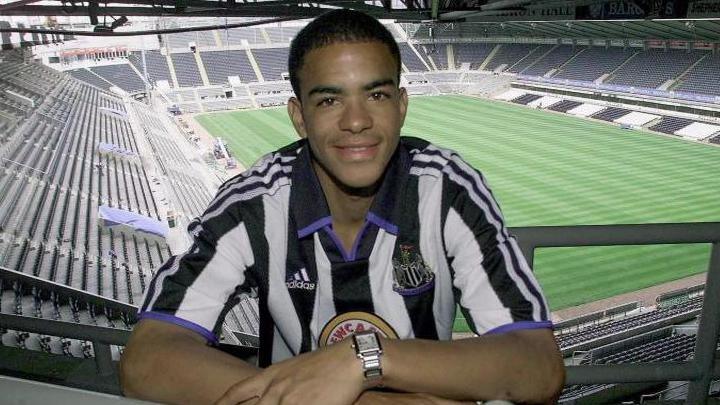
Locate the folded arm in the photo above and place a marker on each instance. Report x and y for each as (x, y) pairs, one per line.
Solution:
(519, 366)
(168, 363)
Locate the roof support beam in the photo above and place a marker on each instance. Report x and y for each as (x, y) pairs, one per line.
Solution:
(15, 4)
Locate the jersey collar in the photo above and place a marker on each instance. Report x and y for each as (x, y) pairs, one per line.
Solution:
(309, 207)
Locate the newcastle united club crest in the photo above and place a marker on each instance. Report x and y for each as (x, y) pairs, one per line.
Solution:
(411, 276)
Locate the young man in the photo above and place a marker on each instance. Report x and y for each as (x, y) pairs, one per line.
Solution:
(359, 244)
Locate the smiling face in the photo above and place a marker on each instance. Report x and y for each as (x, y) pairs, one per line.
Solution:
(351, 111)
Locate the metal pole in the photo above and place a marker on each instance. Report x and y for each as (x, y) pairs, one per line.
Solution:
(103, 359)
(707, 337)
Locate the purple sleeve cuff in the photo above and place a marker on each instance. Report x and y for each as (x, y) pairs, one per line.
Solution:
(521, 325)
(159, 316)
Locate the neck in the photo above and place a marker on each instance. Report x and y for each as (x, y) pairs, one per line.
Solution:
(348, 207)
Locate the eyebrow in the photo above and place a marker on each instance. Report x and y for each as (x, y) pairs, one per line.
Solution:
(379, 83)
(337, 90)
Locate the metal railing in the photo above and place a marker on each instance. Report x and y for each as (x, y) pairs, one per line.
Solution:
(699, 371)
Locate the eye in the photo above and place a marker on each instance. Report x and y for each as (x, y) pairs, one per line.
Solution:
(327, 101)
(379, 95)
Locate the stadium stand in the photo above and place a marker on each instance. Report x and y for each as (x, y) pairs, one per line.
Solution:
(668, 125)
(443, 77)
(190, 192)
(210, 92)
(603, 331)
(437, 53)
(663, 345)
(508, 55)
(593, 63)
(181, 40)
(236, 36)
(525, 98)
(272, 62)
(270, 87)
(531, 58)
(472, 54)
(564, 105)
(610, 114)
(122, 76)
(544, 102)
(219, 65)
(90, 78)
(57, 260)
(672, 348)
(699, 78)
(560, 55)
(657, 65)
(24, 296)
(155, 63)
(410, 59)
(186, 69)
(279, 35)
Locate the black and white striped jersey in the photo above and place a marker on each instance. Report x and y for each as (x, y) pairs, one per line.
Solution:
(434, 239)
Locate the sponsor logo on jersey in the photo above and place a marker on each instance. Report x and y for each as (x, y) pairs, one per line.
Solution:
(299, 281)
(344, 325)
(411, 276)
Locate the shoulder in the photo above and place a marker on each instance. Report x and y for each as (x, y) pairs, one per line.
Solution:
(428, 159)
(267, 176)
(267, 171)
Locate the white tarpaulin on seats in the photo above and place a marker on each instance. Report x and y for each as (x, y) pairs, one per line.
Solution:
(636, 119)
(511, 94)
(544, 102)
(586, 110)
(698, 130)
(130, 222)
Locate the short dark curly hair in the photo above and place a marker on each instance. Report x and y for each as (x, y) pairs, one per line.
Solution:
(341, 25)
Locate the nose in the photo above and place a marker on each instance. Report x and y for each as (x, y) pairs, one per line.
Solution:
(355, 117)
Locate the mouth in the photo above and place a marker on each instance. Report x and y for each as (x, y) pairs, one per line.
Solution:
(357, 152)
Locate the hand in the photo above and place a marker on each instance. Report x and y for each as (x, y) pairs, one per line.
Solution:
(332, 373)
(393, 398)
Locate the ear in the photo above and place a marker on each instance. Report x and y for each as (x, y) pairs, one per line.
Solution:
(295, 112)
(403, 104)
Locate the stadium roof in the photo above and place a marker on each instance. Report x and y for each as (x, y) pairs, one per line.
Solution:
(689, 30)
(639, 19)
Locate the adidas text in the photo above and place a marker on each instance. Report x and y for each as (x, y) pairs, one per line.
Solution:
(300, 284)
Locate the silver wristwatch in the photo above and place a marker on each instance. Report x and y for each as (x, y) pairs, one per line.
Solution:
(368, 350)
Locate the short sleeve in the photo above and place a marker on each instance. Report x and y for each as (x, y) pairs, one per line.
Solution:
(495, 287)
(193, 289)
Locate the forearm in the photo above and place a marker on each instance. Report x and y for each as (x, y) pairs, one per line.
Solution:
(397, 398)
(514, 366)
(180, 370)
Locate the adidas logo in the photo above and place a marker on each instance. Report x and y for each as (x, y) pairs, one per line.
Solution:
(300, 280)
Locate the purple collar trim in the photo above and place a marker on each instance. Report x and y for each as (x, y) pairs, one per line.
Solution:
(388, 226)
(315, 226)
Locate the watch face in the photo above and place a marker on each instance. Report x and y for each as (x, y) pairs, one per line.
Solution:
(366, 341)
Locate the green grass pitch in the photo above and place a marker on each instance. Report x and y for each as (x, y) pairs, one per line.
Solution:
(552, 169)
